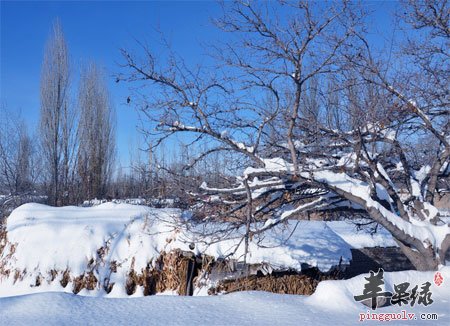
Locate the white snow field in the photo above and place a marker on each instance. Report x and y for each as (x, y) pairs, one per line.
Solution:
(331, 304)
(43, 238)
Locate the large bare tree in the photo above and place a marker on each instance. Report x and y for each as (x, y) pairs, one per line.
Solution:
(96, 134)
(319, 120)
(57, 116)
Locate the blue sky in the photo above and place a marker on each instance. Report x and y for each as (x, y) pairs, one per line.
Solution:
(93, 31)
(96, 31)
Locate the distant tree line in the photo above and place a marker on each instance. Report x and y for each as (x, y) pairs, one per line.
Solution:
(72, 155)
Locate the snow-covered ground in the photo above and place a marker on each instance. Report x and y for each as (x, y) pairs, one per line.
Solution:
(331, 304)
(43, 238)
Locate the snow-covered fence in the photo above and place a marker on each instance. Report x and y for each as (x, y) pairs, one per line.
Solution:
(151, 202)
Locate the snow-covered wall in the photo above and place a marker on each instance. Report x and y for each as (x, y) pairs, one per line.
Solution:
(46, 244)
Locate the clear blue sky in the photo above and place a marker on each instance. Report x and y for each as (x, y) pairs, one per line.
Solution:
(96, 31)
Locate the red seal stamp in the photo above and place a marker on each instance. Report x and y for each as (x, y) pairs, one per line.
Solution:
(438, 279)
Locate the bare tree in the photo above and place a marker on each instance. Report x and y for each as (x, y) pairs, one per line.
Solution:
(57, 118)
(19, 168)
(15, 155)
(96, 134)
(318, 121)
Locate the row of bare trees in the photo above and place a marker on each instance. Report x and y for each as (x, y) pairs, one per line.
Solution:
(162, 177)
(78, 141)
(72, 157)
